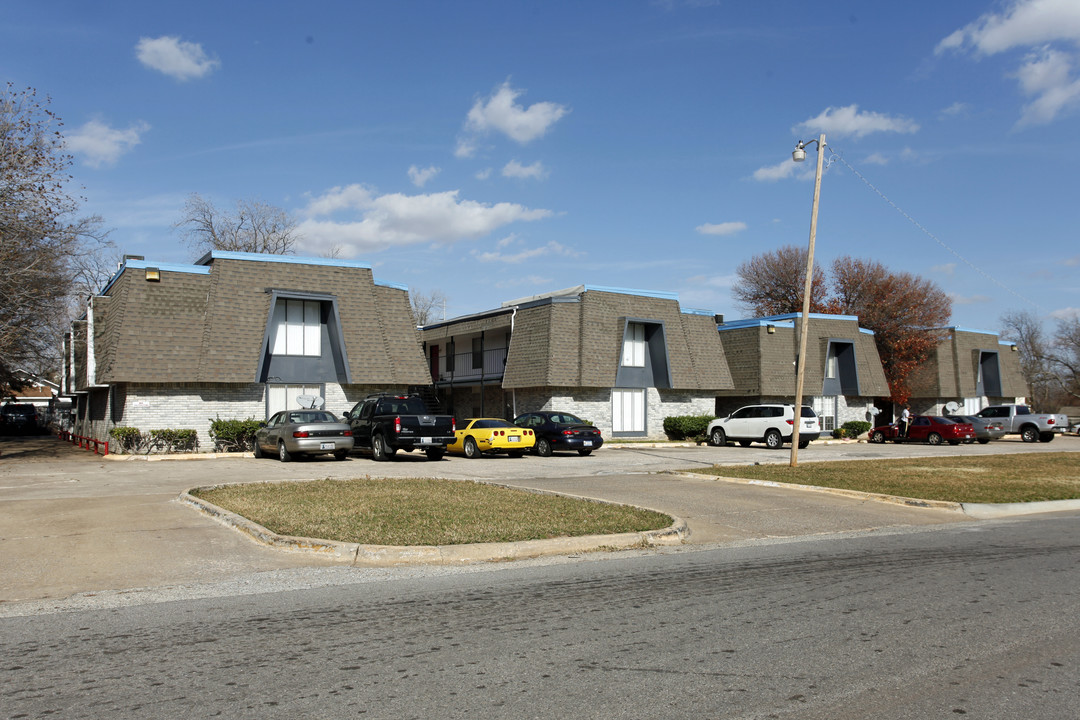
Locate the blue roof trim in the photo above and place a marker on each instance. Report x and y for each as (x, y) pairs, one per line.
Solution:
(396, 285)
(864, 331)
(1007, 343)
(165, 267)
(288, 259)
(629, 291)
(698, 311)
(786, 318)
(970, 330)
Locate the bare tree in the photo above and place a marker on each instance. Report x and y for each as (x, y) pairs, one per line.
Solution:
(40, 245)
(1065, 358)
(428, 307)
(254, 227)
(773, 283)
(1026, 330)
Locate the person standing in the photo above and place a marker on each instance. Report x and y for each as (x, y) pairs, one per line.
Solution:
(905, 421)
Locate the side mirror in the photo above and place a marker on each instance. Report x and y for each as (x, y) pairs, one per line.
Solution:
(262, 424)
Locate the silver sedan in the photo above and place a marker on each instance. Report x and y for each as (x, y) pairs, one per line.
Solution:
(293, 433)
(986, 429)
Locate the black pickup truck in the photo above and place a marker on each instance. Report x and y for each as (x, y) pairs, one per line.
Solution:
(383, 424)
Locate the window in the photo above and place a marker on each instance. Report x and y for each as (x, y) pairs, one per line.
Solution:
(634, 346)
(628, 411)
(297, 328)
(477, 353)
(832, 364)
(284, 397)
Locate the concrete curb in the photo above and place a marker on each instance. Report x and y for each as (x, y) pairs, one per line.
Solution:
(360, 555)
(856, 494)
(975, 511)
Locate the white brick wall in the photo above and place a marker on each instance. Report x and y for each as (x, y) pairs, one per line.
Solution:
(594, 405)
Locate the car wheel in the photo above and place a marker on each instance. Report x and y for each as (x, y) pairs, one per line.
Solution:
(773, 439)
(543, 447)
(378, 449)
(744, 443)
(1029, 434)
(283, 453)
(1046, 437)
(718, 438)
(471, 450)
(934, 439)
(257, 450)
(803, 444)
(984, 441)
(584, 453)
(341, 454)
(878, 437)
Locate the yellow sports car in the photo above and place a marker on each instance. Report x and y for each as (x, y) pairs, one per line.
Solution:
(491, 435)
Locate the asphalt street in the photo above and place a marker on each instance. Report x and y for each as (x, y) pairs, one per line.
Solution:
(969, 619)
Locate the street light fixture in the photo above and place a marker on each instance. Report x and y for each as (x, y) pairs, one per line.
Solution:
(799, 155)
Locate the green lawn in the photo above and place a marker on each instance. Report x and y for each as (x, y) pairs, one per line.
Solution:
(423, 512)
(1024, 477)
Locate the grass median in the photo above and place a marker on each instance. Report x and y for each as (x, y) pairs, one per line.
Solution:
(1024, 477)
(378, 511)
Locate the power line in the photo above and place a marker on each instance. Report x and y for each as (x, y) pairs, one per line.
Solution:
(840, 158)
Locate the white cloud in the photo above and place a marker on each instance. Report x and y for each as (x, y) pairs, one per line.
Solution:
(876, 159)
(382, 221)
(420, 177)
(946, 269)
(533, 280)
(483, 174)
(713, 281)
(1046, 75)
(552, 249)
(514, 169)
(957, 109)
(100, 145)
(466, 148)
(1067, 313)
(848, 120)
(174, 57)
(1045, 72)
(500, 112)
(784, 170)
(970, 299)
(727, 228)
(1072, 261)
(1025, 23)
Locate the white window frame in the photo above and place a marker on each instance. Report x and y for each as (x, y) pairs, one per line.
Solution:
(297, 328)
(283, 396)
(628, 411)
(634, 345)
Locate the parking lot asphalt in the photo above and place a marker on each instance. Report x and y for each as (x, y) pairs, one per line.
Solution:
(74, 522)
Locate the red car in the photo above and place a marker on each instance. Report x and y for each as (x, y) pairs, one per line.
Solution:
(932, 429)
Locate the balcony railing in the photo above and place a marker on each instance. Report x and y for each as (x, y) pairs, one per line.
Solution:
(469, 366)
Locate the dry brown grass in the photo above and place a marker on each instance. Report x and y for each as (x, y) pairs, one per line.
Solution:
(1024, 477)
(423, 512)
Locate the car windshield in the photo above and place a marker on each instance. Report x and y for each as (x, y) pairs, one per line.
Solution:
(311, 416)
(943, 421)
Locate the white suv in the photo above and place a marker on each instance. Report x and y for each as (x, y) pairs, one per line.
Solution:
(770, 424)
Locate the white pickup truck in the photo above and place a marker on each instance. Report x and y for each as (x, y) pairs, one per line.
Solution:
(1019, 420)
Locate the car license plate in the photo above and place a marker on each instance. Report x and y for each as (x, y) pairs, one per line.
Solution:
(513, 438)
(425, 441)
(326, 446)
(587, 443)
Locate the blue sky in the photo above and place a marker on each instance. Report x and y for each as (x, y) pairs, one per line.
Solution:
(493, 150)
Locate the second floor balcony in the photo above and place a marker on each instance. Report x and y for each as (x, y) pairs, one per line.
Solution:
(469, 366)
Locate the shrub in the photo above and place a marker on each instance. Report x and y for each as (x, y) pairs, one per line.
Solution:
(127, 438)
(854, 428)
(233, 435)
(169, 440)
(687, 427)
